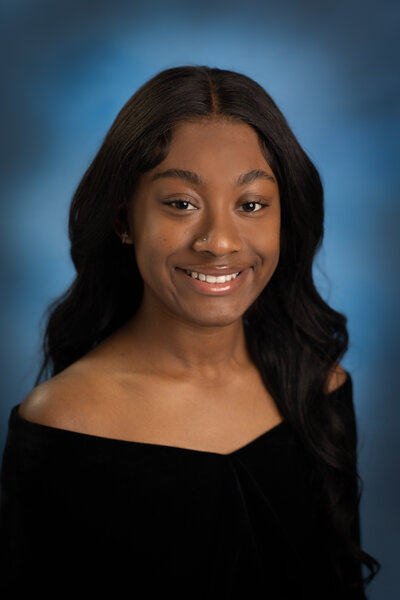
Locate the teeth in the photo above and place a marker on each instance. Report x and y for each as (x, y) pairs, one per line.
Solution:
(212, 278)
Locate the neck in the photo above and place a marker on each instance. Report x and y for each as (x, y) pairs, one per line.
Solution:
(177, 348)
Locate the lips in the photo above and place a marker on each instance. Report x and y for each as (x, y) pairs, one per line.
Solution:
(212, 278)
(215, 271)
(207, 285)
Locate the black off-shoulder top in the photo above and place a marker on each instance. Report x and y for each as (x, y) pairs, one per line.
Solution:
(85, 514)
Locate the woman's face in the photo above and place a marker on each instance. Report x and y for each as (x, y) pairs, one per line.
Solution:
(214, 183)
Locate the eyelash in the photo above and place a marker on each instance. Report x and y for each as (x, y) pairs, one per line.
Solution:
(262, 204)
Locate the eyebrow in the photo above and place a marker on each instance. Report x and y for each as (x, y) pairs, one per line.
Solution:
(194, 178)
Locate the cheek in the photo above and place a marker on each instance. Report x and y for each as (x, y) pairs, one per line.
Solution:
(269, 254)
(266, 242)
(272, 258)
(268, 251)
(156, 242)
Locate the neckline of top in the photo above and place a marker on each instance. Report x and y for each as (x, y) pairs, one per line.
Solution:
(21, 421)
(17, 419)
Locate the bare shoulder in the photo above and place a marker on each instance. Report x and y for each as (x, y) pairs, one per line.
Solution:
(66, 401)
(336, 379)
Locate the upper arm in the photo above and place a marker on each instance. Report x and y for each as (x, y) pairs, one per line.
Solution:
(343, 407)
(337, 377)
(45, 405)
(57, 402)
(347, 439)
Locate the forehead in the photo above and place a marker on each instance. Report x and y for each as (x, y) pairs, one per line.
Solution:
(214, 151)
(200, 134)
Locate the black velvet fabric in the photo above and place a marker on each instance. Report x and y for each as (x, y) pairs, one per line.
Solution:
(88, 515)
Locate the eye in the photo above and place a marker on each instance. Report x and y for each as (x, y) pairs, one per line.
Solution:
(254, 206)
(181, 204)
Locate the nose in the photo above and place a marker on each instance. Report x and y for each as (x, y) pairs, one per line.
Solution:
(221, 233)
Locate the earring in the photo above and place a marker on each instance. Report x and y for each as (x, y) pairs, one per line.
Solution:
(204, 238)
(124, 237)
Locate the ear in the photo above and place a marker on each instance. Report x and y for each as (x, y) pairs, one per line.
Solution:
(336, 379)
(122, 230)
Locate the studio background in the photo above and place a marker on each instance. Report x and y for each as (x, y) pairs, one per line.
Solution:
(331, 67)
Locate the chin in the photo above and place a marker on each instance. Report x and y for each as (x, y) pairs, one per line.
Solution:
(217, 320)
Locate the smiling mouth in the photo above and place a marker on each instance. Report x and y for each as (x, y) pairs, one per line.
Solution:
(211, 278)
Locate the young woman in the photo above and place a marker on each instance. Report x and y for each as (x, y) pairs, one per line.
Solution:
(197, 433)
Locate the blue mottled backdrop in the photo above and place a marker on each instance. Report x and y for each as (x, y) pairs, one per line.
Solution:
(332, 68)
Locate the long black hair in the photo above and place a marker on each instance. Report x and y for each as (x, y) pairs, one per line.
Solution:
(293, 336)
